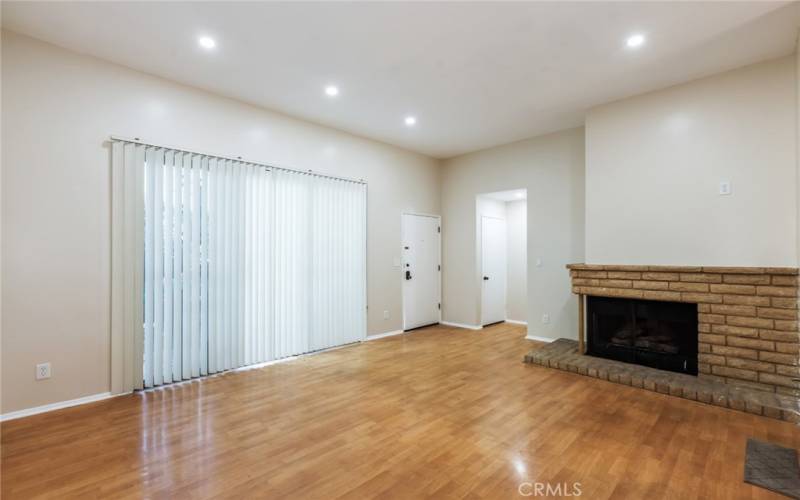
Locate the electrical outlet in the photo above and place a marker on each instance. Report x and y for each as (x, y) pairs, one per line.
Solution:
(545, 318)
(42, 371)
(386, 314)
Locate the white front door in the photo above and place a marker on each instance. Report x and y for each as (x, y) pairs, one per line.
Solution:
(421, 270)
(493, 270)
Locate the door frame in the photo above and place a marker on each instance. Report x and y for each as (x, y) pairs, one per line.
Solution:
(402, 273)
(481, 273)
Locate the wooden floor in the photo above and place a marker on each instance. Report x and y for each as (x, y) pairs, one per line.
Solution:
(439, 412)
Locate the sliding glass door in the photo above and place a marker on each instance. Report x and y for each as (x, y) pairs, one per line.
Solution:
(241, 263)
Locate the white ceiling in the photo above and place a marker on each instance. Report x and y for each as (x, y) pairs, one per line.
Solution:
(475, 74)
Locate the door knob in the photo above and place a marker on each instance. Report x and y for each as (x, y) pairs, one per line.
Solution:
(485, 278)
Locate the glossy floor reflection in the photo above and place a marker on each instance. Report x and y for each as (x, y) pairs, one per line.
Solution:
(441, 412)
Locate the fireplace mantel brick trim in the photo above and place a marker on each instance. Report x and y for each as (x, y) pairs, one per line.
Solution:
(747, 316)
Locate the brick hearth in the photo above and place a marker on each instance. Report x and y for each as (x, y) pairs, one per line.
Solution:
(747, 316)
(563, 355)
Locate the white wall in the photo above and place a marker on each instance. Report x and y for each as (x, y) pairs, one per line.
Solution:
(59, 108)
(551, 168)
(517, 245)
(654, 163)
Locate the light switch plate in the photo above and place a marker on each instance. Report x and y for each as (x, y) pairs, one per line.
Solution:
(725, 188)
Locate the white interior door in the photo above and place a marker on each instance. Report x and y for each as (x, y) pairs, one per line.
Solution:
(493, 270)
(421, 270)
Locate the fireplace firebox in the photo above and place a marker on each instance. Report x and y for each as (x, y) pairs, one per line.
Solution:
(658, 334)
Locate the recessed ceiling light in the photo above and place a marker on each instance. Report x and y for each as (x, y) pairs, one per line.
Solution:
(332, 90)
(411, 121)
(635, 41)
(206, 42)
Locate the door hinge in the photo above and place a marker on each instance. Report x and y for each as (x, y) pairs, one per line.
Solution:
(438, 267)
(438, 229)
(439, 305)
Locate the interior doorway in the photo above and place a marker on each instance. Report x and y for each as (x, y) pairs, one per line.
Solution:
(421, 270)
(501, 246)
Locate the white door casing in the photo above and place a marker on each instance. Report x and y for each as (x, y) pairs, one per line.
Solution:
(493, 270)
(421, 270)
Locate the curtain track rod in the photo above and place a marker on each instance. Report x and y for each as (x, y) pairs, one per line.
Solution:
(137, 140)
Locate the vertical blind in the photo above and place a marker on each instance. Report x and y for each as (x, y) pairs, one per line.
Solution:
(242, 263)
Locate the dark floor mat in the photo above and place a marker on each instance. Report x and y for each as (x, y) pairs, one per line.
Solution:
(772, 467)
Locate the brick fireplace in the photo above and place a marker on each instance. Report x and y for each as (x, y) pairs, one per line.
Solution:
(748, 345)
(747, 317)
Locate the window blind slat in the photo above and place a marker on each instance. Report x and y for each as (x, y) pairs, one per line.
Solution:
(247, 256)
(194, 268)
(186, 234)
(149, 271)
(177, 291)
(169, 278)
(211, 234)
(204, 247)
(158, 266)
(228, 269)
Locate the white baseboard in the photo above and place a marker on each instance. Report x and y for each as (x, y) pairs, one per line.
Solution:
(383, 335)
(461, 325)
(57, 406)
(540, 339)
(517, 322)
